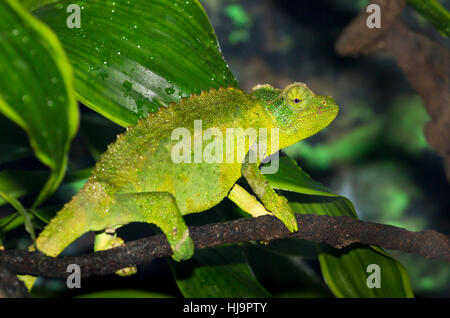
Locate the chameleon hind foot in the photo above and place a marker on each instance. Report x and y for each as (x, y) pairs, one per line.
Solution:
(161, 209)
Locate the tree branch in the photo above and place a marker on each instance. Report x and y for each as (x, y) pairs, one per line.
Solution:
(10, 286)
(337, 231)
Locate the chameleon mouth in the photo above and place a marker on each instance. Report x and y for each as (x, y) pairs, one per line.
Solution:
(319, 110)
(324, 113)
(314, 122)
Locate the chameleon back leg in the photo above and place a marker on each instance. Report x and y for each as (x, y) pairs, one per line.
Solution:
(159, 208)
(82, 215)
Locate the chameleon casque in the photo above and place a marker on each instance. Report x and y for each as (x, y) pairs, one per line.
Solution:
(136, 179)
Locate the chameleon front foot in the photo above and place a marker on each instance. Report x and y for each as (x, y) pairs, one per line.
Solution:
(107, 240)
(248, 203)
(182, 246)
(285, 214)
(276, 204)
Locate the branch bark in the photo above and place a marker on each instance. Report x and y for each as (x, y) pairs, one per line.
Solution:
(337, 231)
(10, 286)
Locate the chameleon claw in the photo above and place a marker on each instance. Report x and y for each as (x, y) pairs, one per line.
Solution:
(183, 248)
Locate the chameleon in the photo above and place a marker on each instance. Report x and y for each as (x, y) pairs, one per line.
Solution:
(137, 180)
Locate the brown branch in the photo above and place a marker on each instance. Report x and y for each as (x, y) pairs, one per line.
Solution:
(338, 231)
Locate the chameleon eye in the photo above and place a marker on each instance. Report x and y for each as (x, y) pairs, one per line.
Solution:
(324, 102)
(297, 96)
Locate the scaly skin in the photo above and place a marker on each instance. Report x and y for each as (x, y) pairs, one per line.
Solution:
(136, 179)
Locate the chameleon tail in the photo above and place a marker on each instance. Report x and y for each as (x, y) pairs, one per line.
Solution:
(69, 224)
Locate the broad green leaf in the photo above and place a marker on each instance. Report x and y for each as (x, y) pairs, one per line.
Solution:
(132, 57)
(344, 270)
(284, 179)
(37, 96)
(217, 272)
(337, 271)
(34, 4)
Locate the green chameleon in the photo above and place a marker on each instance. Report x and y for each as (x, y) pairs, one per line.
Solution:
(137, 180)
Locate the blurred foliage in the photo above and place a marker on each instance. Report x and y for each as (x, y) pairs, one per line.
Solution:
(400, 128)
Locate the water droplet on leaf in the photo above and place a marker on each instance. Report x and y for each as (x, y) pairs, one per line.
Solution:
(169, 90)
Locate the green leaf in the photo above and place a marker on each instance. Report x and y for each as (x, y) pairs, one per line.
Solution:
(34, 4)
(6, 220)
(284, 179)
(434, 12)
(153, 53)
(344, 270)
(24, 213)
(37, 96)
(217, 272)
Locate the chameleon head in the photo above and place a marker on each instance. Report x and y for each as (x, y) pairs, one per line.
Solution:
(297, 111)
